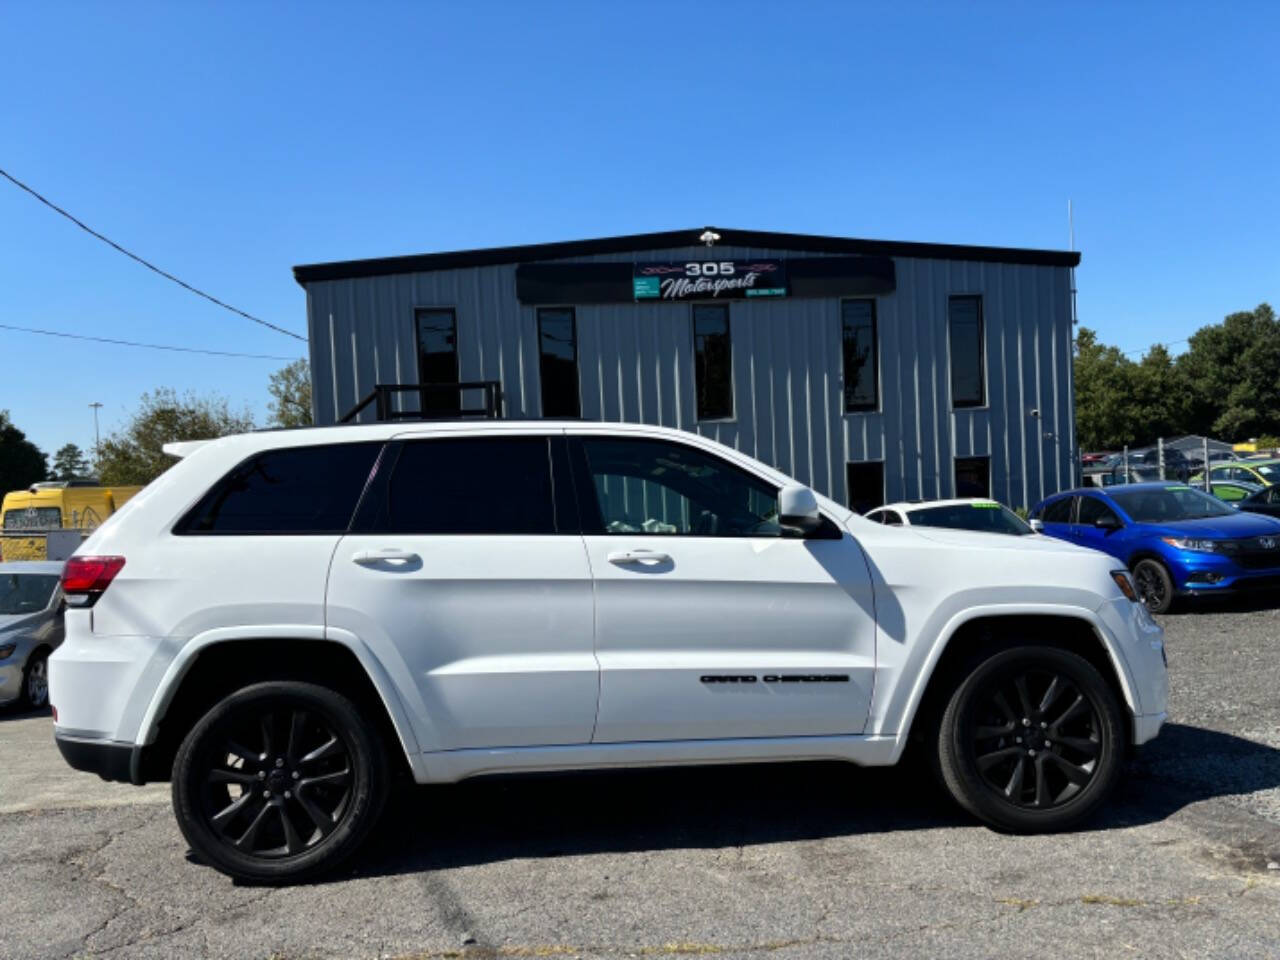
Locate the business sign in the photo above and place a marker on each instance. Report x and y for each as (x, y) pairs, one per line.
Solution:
(709, 280)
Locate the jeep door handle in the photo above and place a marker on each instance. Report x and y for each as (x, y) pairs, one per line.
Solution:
(366, 557)
(638, 556)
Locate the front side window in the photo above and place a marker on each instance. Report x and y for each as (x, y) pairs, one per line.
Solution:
(712, 361)
(861, 362)
(657, 487)
(558, 362)
(1092, 510)
(296, 490)
(25, 592)
(973, 476)
(437, 330)
(964, 320)
(470, 485)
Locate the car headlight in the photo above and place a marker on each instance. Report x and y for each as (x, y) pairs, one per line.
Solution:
(1187, 543)
(6, 650)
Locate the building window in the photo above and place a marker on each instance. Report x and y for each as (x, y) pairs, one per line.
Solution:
(438, 360)
(861, 355)
(712, 361)
(865, 485)
(558, 362)
(964, 318)
(973, 476)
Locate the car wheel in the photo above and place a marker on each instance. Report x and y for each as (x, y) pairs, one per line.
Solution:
(35, 681)
(1032, 740)
(279, 782)
(1154, 585)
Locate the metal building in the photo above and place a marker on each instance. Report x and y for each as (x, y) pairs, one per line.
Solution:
(872, 370)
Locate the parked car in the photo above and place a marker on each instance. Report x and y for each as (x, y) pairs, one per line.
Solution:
(1262, 472)
(1232, 491)
(1178, 541)
(1265, 501)
(285, 617)
(978, 514)
(30, 629)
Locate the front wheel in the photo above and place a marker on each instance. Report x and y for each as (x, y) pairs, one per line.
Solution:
(279, 782)
(1154, 585)
(1032, 740)
(35, 681)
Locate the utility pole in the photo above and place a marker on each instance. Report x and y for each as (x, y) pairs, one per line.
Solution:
(97, 441)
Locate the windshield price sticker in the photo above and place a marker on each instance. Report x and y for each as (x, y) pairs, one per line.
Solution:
(985, 506)
(709, 280)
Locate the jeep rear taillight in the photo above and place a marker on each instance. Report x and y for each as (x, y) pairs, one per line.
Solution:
(85, 578)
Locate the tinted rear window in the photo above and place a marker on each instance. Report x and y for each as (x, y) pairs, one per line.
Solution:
(982, 517)
(481, 485)
(295, 490)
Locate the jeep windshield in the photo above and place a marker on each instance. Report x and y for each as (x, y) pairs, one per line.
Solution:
(1167, 504)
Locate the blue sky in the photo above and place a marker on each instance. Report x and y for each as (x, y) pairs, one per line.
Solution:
(229, 142)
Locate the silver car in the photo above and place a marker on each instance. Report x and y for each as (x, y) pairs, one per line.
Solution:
(31, 608)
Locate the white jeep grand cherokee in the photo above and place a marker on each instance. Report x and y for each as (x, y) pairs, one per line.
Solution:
(284, 617)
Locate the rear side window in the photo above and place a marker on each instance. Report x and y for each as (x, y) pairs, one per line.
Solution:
(471, 485)
(296, 490)
(1059, 511)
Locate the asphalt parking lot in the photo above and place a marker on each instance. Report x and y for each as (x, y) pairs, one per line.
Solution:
(811, 860)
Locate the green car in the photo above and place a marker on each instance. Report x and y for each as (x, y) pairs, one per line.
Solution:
(1262, 472)
(1233, 491)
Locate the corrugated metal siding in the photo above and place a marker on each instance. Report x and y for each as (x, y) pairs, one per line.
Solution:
(636, 364)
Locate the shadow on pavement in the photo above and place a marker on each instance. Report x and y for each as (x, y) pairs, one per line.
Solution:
(1252, 602)
(14, 712)
(501, 818)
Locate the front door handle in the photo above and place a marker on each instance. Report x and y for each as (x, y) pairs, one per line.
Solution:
(387, 553)
(638, 556)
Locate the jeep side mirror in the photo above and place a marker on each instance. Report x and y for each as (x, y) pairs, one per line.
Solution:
(798, 509)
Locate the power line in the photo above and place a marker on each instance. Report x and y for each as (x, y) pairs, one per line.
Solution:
(149, 346)
(1171, 343)
(146, 263)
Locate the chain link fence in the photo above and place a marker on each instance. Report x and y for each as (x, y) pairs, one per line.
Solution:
(1215, 465)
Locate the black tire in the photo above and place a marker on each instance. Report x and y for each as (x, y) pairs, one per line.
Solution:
(279, 782)
(1154, 585)
(35, 681)
(992, 736)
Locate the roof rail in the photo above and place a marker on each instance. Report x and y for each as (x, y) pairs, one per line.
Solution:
(383, 394)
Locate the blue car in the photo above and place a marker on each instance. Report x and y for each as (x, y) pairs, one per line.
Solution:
(1177, 540)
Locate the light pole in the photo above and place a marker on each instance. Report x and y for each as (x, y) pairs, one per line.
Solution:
(97, 441)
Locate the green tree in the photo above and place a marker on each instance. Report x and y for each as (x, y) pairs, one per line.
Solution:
(69, 463)
(1158, 398)
(1104, 384)
(22, 463)
(1232, 372)
(290, 390)
(134, 455)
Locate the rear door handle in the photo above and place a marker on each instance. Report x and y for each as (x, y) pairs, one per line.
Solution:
(638, 556)
(387, 553)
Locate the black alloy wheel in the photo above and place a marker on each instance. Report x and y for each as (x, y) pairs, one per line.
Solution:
(1154, 585)
(1032, 740)
(279, 781)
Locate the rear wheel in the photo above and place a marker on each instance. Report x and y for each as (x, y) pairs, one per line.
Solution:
(279, 782)
(1032, 740)
(1154, 585)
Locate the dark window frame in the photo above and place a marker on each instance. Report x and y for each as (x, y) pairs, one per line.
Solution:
(183, 526)
(982, 401)
(955, 474)
(542, 364)
(874, 365)
(711, 417)
(430, 401)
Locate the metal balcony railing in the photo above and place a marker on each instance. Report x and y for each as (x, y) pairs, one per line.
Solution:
(429, 405)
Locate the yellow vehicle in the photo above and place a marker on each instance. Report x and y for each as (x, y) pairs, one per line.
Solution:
(55, 505)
